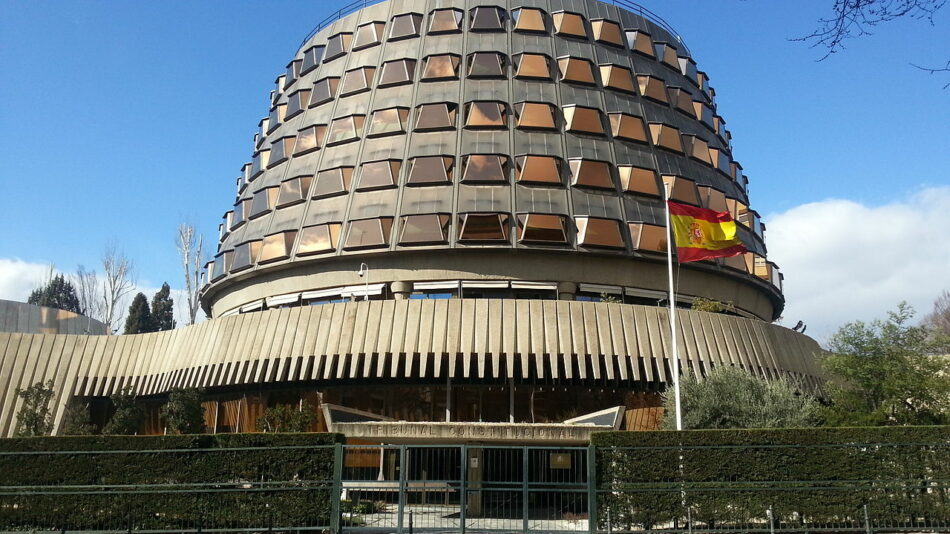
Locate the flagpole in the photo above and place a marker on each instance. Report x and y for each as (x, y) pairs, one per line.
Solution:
(672, 299)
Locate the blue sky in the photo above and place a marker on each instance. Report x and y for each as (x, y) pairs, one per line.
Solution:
(118, 120)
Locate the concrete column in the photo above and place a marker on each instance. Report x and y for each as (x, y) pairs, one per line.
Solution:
(566, 290)
(401, 290)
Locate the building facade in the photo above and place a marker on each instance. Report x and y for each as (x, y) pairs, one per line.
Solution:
(453, 213)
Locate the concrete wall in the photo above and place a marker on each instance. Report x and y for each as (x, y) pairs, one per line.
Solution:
(29, 319)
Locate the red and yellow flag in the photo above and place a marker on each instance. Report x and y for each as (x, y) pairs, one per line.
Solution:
(701, 234)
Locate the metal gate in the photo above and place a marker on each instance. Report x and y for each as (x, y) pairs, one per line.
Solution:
(464, 488)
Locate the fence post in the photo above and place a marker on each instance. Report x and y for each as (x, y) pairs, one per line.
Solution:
(336, 488)
(524, 489)
(771, 516)
(592, 489)
(403, 464)
(867, 521)
(463, 487)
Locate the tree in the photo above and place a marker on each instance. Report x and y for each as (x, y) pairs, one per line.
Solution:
(76, 421)
(139, 319)
(87, 291)
(56, 293)
(286, 418)
(35, 417)
(163, 314)
(711, 305)
(189, 244)
(887, 373)
(183, 413)
(127, 417)
(732, 398)
(939, 318)
(116, 284)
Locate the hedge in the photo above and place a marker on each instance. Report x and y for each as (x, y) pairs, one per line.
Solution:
(167, 482)
(808, 476)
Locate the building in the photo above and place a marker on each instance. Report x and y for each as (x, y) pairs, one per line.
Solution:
(453, 214)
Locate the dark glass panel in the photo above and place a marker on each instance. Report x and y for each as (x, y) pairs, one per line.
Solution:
(484, 114)
(280, 150)
(332, 182)
(337, 46)
(653, 88)
(640, 41)
(485, 168)
(577, 70)
(441, 67)
(591, 173)
(345, 129)
(297, 102)
(439, 116)
(263, 201)
(488, 19)
(484, 227)
(536, 115)
(276, 117)
(529, 19)
(357, 80)
(397, 72)
(405, 26)
(245, 255)
(294, 190)
(638, 180)
(424, 229)
(682, 189)
(598, 232)
(368, 233)
(666, 136)
(378, 175)
(319, 238)
(310, 138)
(486, 65)
(430, 170)
(222, 264)
(542, 228)
(368, 35)
(569, 24)
(445, 21)
(534, 66)
(311, 58)
(581, 119)
(324, 90)
(293, 72)
(608, 32)
(617, 77)
(388, 121)
(277, 246)
(648, 237)
(628, 127)
(538, 170)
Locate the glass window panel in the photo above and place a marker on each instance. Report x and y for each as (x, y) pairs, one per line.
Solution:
(488, 19)
(311, 58)
(368, 233)
(628, 127)
(484, 227)
(542, 228)
(241, 211)
(591, 173)
(445, 21)
(245, 255)
(388, 121)
(345, 129)
(263, 201)
(608, 32)
(277, 246)
(378, 174)
(337, 46)
(259, 162)
(424, 229)
(319, 238)
(439, 116)
(638, 180)
(667, 55)
(357, 81)
(405, 26)
(324, 90)
(666, 136)
(297, 102)
(580, 119)
(430, 170)
(280, 150)
(441, 67)
(649, 237)
(617, 77)
(697, 148)
(598, 232)
(310, 138)
(276, 117)
(222, 264)
(485, 168)
(577, 70)
(368, 35)
(486, 65)
(538, 170)
(293, 191)
(397, 72)
(653, 88)
(681, 189)
(534, 66)
(332, 182)
(483, 114)
(640, 41)
(682, 99)
(569, 25)
(293, 72)
(529, 19)
(536, 115)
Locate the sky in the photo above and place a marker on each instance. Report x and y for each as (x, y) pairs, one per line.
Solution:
(119, 120)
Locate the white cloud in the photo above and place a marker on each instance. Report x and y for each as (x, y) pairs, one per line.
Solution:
(844, 261)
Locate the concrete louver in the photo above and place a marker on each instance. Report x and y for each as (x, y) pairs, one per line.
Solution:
(579, 342)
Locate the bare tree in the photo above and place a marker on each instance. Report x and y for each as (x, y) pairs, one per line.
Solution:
(116, 283)
(87, 290)
(189, 243)
(939, 318)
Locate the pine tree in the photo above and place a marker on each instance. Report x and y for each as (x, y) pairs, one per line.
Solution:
(163, 315)
(57, 293)
(139, 319)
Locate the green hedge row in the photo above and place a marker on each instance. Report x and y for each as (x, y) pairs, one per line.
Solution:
(167, 482)
(807, 476)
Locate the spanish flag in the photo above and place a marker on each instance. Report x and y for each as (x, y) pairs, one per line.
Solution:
(701, 234)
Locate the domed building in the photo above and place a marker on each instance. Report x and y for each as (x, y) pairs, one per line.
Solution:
(454, 214)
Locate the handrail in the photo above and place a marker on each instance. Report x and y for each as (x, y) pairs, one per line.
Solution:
(629, 5)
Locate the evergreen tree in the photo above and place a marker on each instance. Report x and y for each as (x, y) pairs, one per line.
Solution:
(76, 421)
(139, 319)
(286, 418)
(183, 413)
(128, 416)
(163, 315)
(35, 417)
(57, 293)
